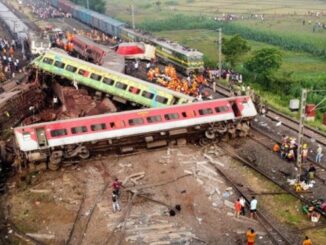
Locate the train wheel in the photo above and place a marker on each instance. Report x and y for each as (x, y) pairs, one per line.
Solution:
(84, 153)
(54, 166)
(209, 133)
(203, 141)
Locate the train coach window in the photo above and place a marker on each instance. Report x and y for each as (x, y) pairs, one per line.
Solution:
(58, 132)
(135, 121)
(71, 68)
(134, 90)
(121, 85)
(48, 61)
(108, 81)
(27, 136)
(97, 127)
(83, 72)
(206, 111)
(161, 99)
(147, 95)
(171, 116)
(221, 109)
(78, 130)
(59, 64)
(154, 119)
(95, 77)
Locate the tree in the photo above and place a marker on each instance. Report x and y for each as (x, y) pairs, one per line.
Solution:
(234, 48)
(264, 62)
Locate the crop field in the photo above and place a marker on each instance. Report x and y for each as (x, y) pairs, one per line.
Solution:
(300, 64)
(211, 7)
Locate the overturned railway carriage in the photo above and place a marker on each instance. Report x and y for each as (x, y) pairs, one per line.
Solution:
(153, 127)
(123, 87)
(184, 59)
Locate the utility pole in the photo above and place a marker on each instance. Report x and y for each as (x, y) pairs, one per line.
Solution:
(87, 4)
(220, 52)
(133, 16)
(301, 127)
(219, 57)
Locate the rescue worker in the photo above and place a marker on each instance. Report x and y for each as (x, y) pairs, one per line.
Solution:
(304, 153)
(237, 208)
(115, 201)
(319, 154)
(116, 185)
(276, 148)
(251, 236)
(311, 172)
(307, 241)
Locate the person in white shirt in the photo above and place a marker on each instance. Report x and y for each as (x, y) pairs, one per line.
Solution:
(319, 154)
(253, 207)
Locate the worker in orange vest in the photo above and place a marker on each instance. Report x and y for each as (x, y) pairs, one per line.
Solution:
(11, 51)
(251, 236)
(276, 148)
(307, 241)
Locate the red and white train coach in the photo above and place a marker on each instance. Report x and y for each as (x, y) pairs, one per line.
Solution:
(69, 138)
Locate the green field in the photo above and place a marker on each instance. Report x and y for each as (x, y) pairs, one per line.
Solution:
(270, 7)
(301, 65)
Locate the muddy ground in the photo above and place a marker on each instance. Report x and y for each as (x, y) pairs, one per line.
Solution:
(74, 204)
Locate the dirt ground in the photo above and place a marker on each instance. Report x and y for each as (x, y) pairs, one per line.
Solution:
(74, 204)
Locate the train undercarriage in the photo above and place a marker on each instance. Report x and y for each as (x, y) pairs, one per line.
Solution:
(201, 134)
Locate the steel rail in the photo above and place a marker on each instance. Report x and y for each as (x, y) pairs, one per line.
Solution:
(267, 225)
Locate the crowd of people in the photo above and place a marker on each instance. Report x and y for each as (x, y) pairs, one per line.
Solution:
(44, 10)
(192, 85)
(9, 60)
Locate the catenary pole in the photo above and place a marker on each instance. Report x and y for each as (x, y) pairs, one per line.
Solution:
(133, 16)
(301, 128)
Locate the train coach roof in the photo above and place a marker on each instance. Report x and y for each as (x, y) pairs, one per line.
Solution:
(140, 111)
(59, 54)
(108, 19)
(178, 47)
(101, 17)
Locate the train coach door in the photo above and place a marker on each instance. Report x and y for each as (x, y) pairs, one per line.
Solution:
(41, 137)
(236, 110)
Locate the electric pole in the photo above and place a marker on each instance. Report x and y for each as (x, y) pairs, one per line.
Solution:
(132, 16)
(87, 4)
(301, 127)
(219, 57)
(220, 52)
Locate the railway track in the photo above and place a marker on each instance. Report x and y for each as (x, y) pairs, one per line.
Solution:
(288, 122)
(79, 228)
(273, 176)
(276, 236)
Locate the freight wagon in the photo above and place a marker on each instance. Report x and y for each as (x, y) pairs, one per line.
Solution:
(184, 59)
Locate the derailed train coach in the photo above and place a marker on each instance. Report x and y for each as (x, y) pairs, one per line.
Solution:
(60, 140)
(122, 87)
(185, 59)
